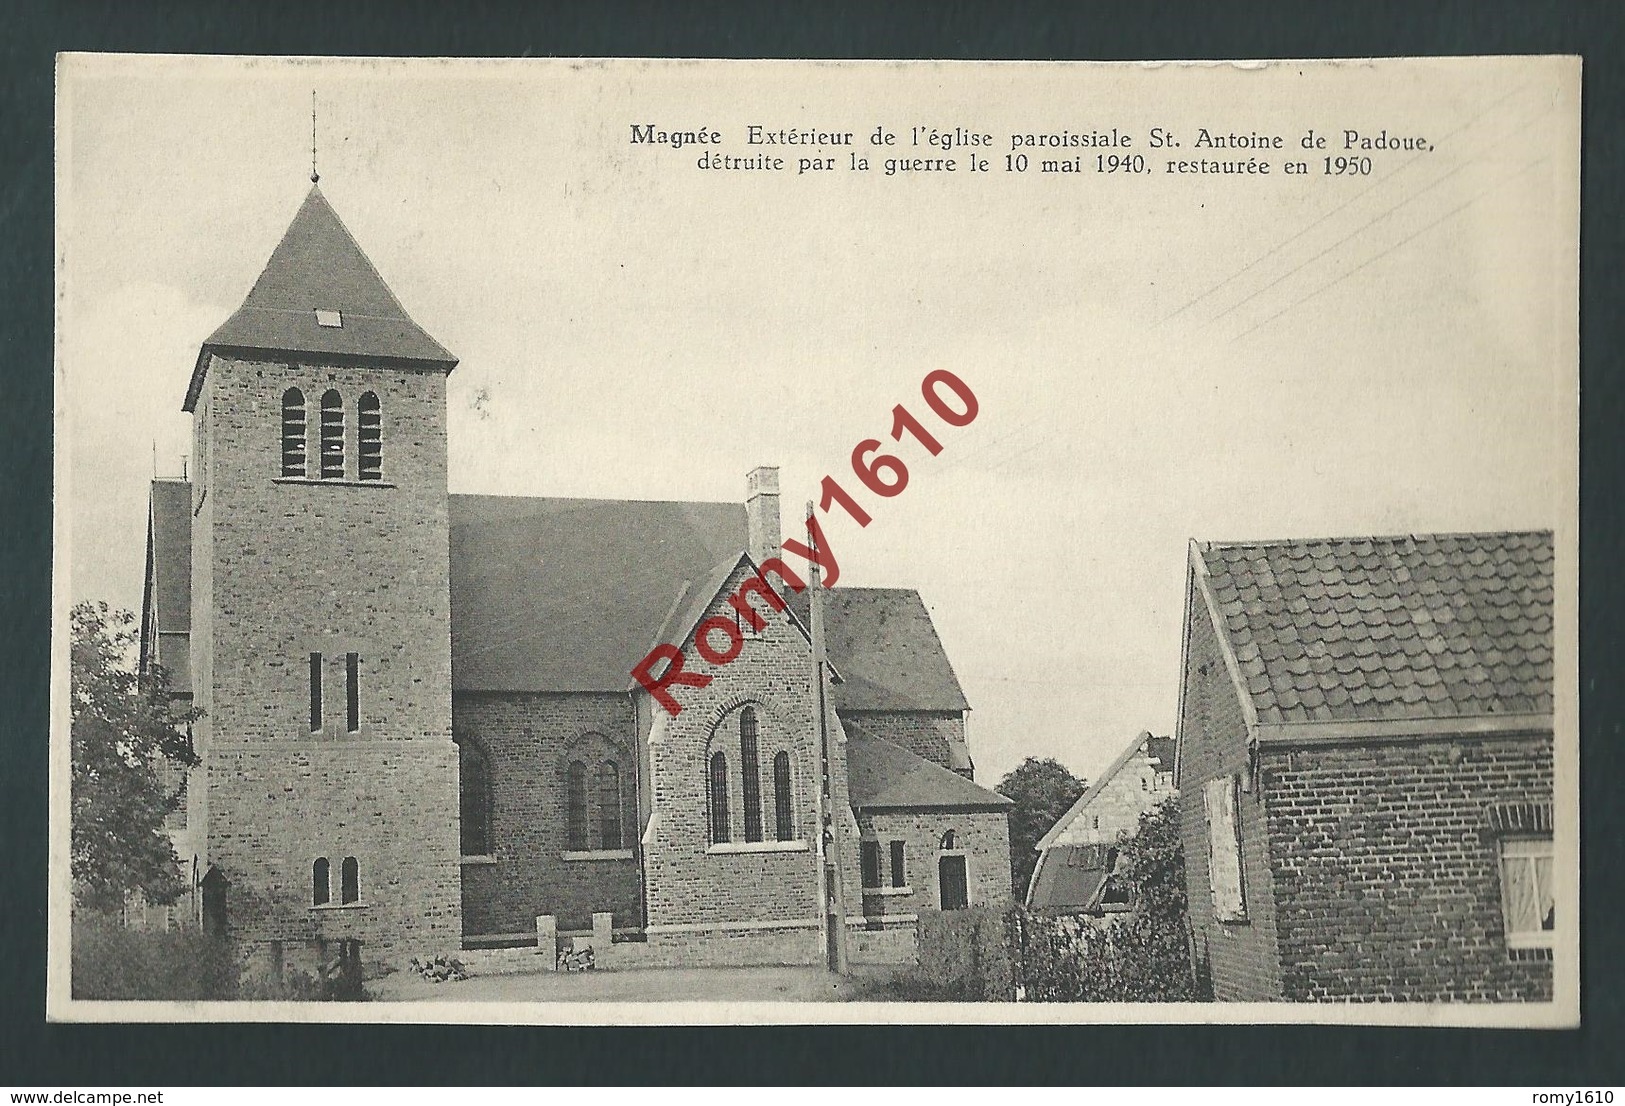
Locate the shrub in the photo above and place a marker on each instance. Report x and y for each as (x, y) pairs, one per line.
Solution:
(964, 957)
(112, 962)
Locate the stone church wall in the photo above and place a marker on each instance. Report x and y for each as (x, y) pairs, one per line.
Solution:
(529, 739)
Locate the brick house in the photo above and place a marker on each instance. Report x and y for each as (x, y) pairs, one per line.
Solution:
(1364, 766)
(1077, 855)
(420, 726)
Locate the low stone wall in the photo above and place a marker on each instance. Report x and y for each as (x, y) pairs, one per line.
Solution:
(895, 941)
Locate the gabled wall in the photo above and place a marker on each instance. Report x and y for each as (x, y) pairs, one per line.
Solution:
(1213, 743)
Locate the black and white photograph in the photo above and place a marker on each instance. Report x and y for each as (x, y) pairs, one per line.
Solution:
(729, 542)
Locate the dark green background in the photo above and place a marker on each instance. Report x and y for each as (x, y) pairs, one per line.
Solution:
(33, 1054)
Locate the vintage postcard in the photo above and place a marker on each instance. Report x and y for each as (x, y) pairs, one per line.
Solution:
(650, 541)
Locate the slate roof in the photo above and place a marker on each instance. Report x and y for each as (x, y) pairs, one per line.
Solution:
(172, 555)
(884, 644)
(569, 594)
(883, 776)
(1398, 628)
(1069, 879)
(319, 266)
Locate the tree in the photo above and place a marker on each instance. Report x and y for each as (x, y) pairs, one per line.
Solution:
(1152, 936)
(124, 728)
(1042, 790)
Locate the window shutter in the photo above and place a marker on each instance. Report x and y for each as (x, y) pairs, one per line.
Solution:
(1224, 848)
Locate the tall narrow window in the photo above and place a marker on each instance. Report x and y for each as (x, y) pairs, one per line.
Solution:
(352, 691)
(899, 878)
(369, 437)
(609, 806)
(320, 891)
(783, 813)
(349, 881)
(315, 693)
(576, 806)
(720, 832)
(474, 799)
(750, 782)
(293, 432)
(332, 436)
(869, 861)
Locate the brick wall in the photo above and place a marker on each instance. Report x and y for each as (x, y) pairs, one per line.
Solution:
(282, 570)
(938, 736)
(982, 836)
(1213, 743)
(688, 880)
(528, 740)
(1387, 877)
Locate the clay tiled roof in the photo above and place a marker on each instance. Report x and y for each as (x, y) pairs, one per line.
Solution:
(1416, 627)
(318, 266)
(883, 776)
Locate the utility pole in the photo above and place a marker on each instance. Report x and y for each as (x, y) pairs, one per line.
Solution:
(829, 836)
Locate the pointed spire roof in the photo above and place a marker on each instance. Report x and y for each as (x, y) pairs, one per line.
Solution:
(319, 295)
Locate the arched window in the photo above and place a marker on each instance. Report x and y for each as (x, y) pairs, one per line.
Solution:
(474, 799)
(332, 436)
(610, 810)
(369, 438)
(293, 433)
(349, 881)
(720, 831)
(750, 782)
(320, 889)
(576, 806)
(948, 841)
(783, 806)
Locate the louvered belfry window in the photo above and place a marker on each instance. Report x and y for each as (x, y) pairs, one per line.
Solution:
(293, 433)
(332, 436)
(369, 437)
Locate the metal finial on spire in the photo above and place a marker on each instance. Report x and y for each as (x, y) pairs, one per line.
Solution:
(314, 176)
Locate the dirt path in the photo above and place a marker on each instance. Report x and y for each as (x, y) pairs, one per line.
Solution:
(649, 985)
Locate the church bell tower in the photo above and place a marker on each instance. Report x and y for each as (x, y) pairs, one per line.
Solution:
(321, 619)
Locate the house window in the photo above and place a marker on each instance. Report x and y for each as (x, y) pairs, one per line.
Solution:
(369, 438)
(320, 889)
(332, 436)
(783, 815)
(899, 877)
(870, 857)
(315, 693)
(749, 782)
(1224, 849)
(719, 799)
(474, 799)
(576, 806)
(610, 812)
(293, 433)
(1528, 901)
(349, 881)
(352, 691)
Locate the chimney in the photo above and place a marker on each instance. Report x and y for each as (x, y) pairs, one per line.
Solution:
(762, 512)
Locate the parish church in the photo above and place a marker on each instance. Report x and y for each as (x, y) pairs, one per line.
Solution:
(419, 729)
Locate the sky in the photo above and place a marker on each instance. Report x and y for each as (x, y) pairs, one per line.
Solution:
(1157, 357)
